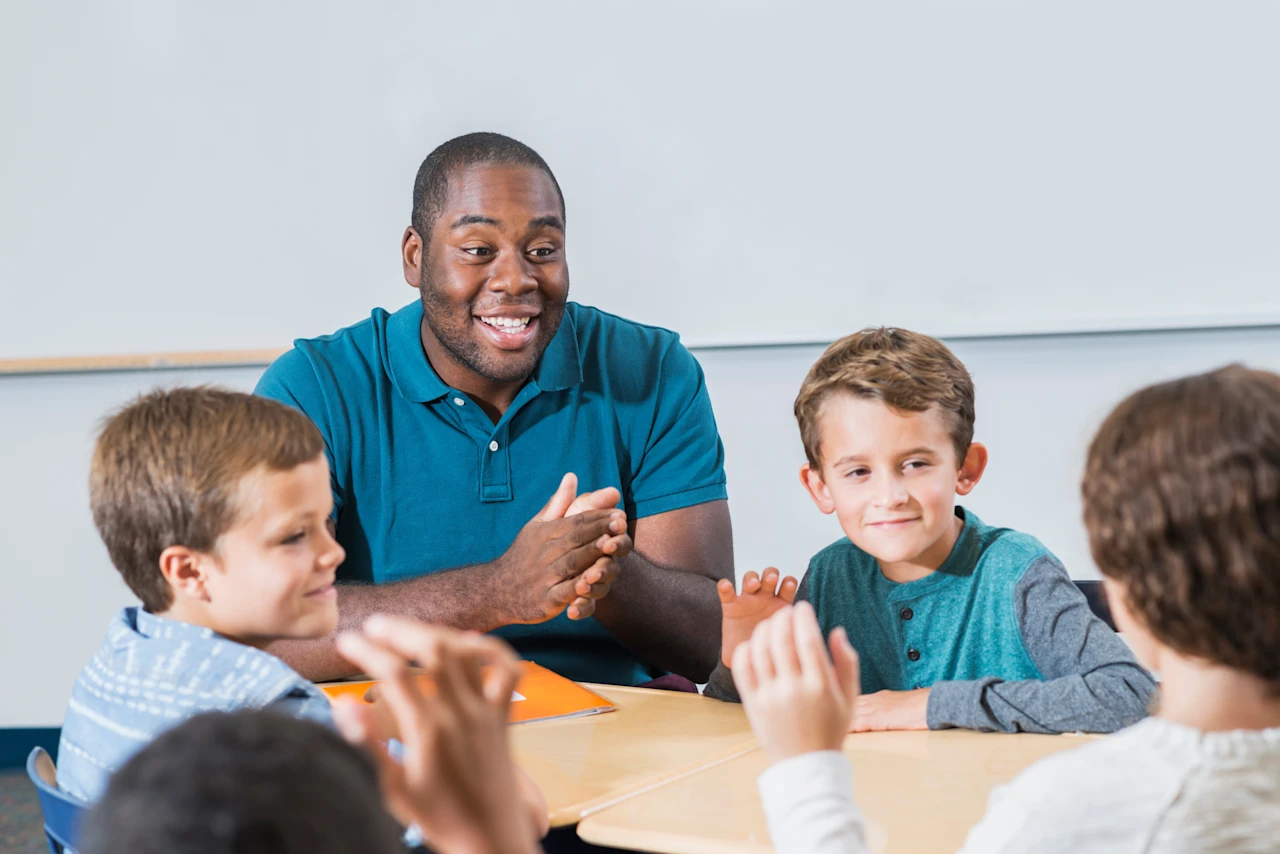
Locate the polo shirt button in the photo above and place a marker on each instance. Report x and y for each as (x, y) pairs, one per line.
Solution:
(913, 654)
(907, 613)
(459, 401)
(493, 446)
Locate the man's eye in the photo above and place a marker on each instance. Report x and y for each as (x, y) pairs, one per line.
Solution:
(478, 251)
(542, 252)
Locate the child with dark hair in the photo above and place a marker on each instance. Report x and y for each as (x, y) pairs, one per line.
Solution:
(1182, 504)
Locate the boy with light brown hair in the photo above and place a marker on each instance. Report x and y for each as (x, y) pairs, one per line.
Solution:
(214, 507)
(958, 623)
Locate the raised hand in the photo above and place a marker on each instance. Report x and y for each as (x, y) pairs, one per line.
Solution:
(797, 700)
(740, 613)
(559, 560)
(457, 780)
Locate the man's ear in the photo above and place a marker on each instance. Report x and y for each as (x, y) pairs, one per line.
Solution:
(817, 489)
(411, 249)
(186, 572)
(971, 469)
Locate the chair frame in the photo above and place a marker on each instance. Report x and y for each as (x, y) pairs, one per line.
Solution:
(62, 812)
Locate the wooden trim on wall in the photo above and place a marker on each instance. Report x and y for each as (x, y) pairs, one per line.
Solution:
(139, 361)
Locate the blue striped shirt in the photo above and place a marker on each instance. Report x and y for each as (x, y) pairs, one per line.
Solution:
(152, 673)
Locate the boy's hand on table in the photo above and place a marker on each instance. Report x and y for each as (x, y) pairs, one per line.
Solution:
(796, 700)
(740, 613)
(886, 710)
(457, 780)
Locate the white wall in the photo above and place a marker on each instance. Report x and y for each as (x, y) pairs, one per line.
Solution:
(1038, 400)
(1115, 155)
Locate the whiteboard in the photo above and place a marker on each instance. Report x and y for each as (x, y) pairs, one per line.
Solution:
(201, 176)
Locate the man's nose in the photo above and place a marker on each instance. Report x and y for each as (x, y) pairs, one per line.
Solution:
(512, 273)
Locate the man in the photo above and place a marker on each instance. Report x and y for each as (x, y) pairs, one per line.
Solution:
(450, 422)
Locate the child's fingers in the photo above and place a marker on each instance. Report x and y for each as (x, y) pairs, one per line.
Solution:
(421, 642)
(789, 588)
(744, 672)
(761, 650)
(848, 671)
(811, 650)
(750, 582)
(499, 684)
(398, 689)
(724, 587)
(458, 690)
(581, 608)
(769, 581)
(351, 717)
(782, 643)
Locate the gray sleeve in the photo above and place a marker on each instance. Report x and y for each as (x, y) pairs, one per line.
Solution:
(720, 684)
(1092, 683)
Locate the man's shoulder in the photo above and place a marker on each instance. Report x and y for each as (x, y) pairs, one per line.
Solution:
(597, 327)
(346, 351)
(622, 349)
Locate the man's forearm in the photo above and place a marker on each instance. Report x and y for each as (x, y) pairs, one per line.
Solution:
(665, 616)
(456, 598)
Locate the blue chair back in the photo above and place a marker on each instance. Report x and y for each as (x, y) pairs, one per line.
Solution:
(1096, 595)
(62, 812)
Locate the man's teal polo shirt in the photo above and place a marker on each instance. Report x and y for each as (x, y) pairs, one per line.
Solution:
(423, 481)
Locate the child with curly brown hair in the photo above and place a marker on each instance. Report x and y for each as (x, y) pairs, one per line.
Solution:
(1182, 504)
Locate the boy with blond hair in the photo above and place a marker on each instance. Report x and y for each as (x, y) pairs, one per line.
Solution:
(958, 623)
(1182, 504)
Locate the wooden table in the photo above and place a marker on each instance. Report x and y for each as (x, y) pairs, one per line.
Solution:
(920, 793)
(585, 764)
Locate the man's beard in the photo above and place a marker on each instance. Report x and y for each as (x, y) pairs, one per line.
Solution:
(457, 334)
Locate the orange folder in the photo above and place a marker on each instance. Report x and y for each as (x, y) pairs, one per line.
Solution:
(541, 695)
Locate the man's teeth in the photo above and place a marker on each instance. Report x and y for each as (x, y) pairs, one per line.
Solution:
(507, 324)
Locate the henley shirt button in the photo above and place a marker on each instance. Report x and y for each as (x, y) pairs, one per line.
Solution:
(913, 654)
(907, 613)
(493, 446)
(459, 401)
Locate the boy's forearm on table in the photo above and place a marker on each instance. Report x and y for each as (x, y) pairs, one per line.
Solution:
(1103, 701)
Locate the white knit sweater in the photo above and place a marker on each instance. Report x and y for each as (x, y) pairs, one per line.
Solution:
(1154, 787)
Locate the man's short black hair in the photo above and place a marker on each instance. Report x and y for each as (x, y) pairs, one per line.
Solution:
(431, 187)
(247, 782)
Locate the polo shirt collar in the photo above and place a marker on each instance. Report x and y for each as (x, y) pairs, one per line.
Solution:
(560, 367)
(408, 365)
(561, 364)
